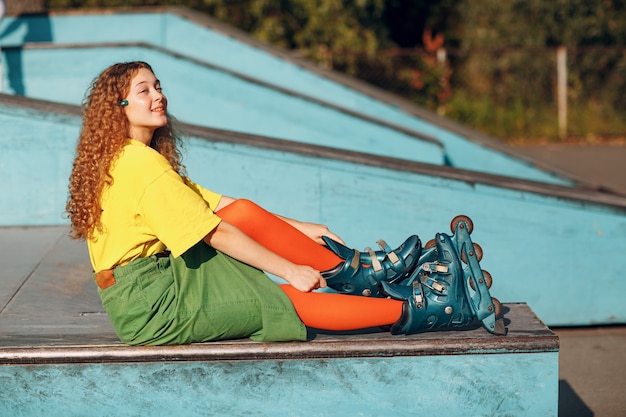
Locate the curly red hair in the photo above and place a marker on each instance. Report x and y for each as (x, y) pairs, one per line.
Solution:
(104, 132)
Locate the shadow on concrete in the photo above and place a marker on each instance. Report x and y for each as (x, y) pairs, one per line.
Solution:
(36, 28)
(570, 404)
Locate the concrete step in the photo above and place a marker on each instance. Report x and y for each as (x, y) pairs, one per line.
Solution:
(60, 356)
(370, 373)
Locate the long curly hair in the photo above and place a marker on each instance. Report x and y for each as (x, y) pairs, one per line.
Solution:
(104, 132)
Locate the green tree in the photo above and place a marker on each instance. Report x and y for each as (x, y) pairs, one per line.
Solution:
(350, 36)
(500, 75)
(505, 70)
(322, 30)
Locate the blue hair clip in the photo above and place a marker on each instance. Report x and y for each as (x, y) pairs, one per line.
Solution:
(123, 103)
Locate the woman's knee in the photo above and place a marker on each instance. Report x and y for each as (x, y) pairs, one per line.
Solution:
(239, 210)
(244, 204)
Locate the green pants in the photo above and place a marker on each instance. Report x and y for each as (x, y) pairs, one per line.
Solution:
(201, 296)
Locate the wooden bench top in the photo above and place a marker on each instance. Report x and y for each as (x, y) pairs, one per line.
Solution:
(50, 312)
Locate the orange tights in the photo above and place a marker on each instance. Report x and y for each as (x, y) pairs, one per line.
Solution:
(320, 310)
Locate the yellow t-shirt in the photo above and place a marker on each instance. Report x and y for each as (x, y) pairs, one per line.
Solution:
(149, 208)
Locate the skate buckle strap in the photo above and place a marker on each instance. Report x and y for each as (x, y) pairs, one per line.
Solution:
(375, 262)
(435, 267)
(356, 260)
(390, 253)
(435, 285)
(417, 294)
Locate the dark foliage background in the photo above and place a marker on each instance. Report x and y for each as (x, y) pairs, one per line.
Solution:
(487, 63)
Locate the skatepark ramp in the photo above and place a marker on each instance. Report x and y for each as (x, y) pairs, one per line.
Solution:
(216, 76)
(308, 144)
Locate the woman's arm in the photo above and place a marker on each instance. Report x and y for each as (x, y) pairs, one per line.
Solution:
(230, 240)
(224, 201)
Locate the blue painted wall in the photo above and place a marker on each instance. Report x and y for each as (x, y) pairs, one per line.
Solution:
(36, 155)
(539, 249)
(466, 385)
(214, 99)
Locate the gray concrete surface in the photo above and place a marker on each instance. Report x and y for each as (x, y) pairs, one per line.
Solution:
(592, 361)
(603, 165)
(592, 371)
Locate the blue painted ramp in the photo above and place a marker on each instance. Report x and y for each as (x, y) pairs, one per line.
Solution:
(541, 242)
(204, 96)
(218, 77)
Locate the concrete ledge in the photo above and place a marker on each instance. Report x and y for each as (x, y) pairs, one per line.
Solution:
(50, 313)
(526, 334)
(457, 373)
(59, 356)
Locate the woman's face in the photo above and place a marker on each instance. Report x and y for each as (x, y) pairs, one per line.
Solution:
(146, 108)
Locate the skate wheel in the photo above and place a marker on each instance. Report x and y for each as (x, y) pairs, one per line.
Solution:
(430, 244)
(478, 252)
(458, 220)
(497, 306)
(488, 280)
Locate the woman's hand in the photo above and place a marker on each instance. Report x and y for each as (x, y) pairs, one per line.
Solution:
(228, 239)
(305, 279)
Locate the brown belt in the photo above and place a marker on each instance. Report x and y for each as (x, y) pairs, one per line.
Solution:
(105, 278)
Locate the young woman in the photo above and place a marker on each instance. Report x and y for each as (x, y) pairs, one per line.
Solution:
(176, 263)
